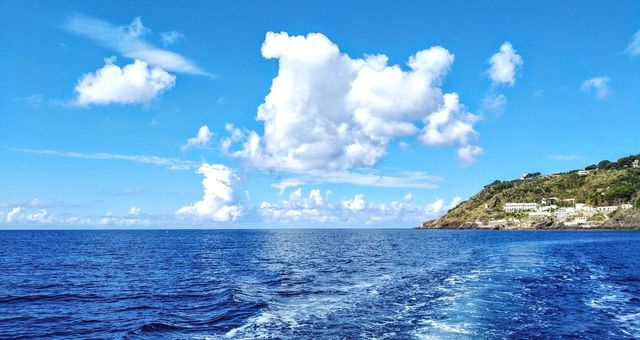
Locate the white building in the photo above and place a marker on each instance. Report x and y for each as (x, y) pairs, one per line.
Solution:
(564, 213)
(583, 172)
(607, 208)
(626, 206)
(584, 207)
(580, 219)
(539, 214)
(520, 206)
(636, 163)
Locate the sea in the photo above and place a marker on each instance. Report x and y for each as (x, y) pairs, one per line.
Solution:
(319, 284)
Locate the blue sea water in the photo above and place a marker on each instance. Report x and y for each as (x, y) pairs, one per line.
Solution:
(319, 284)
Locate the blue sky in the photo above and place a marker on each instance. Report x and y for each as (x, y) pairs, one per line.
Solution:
(127, 114)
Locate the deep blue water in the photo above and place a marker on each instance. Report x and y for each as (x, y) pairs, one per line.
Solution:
(319, 284)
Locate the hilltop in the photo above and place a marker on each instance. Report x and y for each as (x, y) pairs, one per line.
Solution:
(603, 195)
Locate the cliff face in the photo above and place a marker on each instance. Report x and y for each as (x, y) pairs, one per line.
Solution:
(623, 219)
(605, 184)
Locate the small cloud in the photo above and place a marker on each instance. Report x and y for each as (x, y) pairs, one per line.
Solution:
(13, 214)
(171, 37)
(454, 202)
(33, 100)
(356, 203)
(200, 141)
(493, 104)
(467, 154)
(598, 84)
(220, 100)
(633, 49)
(504, 65)
(132, 84)
(408, 197)
(133, 211)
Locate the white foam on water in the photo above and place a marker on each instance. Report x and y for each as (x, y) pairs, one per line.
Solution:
(292, 313)
(435, 329)
(631, 324)
(616, 302)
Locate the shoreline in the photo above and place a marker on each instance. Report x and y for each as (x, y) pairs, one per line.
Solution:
(533, 229)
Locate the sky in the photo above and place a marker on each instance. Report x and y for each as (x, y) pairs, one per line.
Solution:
(292, 114)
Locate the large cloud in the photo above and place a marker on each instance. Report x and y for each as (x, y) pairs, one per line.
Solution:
(504, 65)
(218, 202)
(327, 111)
(133, 83)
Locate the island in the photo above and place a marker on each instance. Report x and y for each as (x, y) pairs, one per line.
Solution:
(600, 196)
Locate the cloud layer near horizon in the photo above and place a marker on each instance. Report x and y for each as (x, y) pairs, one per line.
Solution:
(318, 208)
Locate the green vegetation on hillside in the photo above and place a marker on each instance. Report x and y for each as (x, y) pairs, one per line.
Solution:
(607, 183)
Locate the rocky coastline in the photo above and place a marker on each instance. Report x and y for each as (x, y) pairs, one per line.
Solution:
(620, 220)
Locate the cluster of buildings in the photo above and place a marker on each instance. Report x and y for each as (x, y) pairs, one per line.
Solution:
(578, 214)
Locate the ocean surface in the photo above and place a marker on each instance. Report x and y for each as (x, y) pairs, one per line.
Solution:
(319, 284)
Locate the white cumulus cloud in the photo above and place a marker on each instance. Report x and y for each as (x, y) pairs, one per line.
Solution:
(13, 215)
(598, 84)
(504, 65)
(131, 84)
(218, 203)
(201, 140)
(355, 203)
(20, 215)
(328, 111)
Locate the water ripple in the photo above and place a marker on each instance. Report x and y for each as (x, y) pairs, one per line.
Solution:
(319, 284)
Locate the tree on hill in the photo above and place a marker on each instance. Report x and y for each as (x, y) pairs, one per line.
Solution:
(531, 175)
